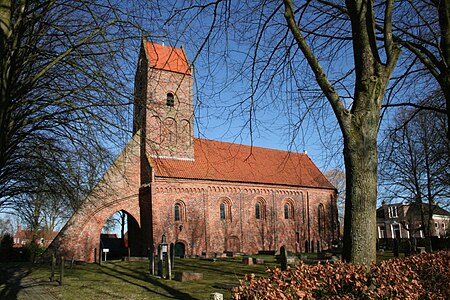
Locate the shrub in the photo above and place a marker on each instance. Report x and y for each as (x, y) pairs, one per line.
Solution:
(424, 276)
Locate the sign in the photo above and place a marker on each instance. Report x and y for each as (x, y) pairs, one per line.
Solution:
(105, 250)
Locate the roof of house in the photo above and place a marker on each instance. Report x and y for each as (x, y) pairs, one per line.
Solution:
(413, 209)
(167, 58)
(223, 161)
(28, 234)
(435, 209)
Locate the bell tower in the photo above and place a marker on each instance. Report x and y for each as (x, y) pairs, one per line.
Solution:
(163, 105)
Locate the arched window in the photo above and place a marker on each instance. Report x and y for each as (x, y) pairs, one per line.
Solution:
(258, 210)
(170, 100)
(225, 209)
(223, 214)
(286, 211)
(179, 211)
(321, 219)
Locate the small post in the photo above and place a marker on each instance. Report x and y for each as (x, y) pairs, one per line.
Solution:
(283, 258)
(61, 273)
(152, 259)
(396, 248)
(52, 276)
(168, 267)
(129, 253)
(172, 255)
(95, 255)
(100, 256)
(71, 262)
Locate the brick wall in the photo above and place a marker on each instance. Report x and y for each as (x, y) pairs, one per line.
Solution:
(202, 229)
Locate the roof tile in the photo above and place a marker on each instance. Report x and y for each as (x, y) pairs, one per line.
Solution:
(223, 161)
(167, 58)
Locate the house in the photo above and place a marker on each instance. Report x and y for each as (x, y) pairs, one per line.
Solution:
(204, 196)
(403, 220)
(42, 237)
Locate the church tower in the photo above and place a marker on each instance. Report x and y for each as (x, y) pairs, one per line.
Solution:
(163, 108)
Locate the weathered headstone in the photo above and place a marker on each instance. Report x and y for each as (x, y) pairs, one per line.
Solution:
(188, 276)
(283, 258)
(247, 261)
(215, 296)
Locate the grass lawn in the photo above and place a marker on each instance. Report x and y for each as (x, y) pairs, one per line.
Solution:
(130, 280)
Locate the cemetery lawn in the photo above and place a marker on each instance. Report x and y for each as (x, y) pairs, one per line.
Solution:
(130, 280)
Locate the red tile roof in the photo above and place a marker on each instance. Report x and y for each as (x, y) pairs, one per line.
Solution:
(167, 58)
(222, 161)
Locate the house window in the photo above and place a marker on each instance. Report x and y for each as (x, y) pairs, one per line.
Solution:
(443, 230)
(225, 210)
(392, 212)
(170, 100)
(436, 226)
(381, 232)
(179, 211)
(396, 231)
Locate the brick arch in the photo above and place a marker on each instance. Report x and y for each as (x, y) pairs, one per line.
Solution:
(117, 190)
(81, 236)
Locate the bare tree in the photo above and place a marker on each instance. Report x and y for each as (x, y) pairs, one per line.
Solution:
(275, 41)
(65, 97)
(423, 28)
(414, 161)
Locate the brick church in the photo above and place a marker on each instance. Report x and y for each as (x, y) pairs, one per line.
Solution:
(205, 196)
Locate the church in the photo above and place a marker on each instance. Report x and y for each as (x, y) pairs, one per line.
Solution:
(204, 196)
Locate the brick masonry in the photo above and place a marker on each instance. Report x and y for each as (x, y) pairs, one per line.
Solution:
(132, 185)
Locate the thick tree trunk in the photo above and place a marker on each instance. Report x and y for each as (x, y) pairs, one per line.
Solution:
(361, 160)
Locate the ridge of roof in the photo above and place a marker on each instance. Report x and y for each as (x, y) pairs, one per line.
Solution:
(230, 162)
(167, 58)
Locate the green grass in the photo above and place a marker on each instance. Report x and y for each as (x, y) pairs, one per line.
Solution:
(130, 280)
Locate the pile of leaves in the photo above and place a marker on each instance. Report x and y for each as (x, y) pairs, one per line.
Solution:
(424, 276)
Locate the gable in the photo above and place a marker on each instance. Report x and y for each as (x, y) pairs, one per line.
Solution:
(222, 161)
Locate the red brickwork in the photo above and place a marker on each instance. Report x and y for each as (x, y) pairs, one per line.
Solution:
(118, 190)
(209, 196)
(202, 230)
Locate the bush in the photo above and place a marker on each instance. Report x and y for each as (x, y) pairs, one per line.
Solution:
(424, 276)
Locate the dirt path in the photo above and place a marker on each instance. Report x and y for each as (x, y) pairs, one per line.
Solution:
(19, 284)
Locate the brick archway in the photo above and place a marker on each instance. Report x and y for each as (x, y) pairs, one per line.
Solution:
(117, 190)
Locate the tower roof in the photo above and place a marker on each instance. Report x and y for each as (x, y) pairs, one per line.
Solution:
(167, 58)
(223, 161)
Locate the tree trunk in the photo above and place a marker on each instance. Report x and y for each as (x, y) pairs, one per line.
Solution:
(361, 160)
